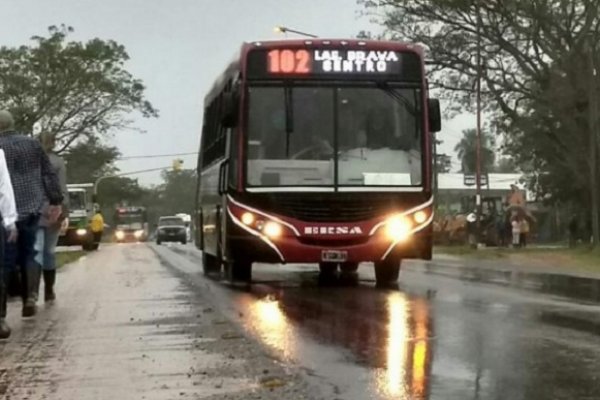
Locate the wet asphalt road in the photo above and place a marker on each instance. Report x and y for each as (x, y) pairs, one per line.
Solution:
(142, 322)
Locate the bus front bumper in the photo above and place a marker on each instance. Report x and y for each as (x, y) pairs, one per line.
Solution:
(242, 245)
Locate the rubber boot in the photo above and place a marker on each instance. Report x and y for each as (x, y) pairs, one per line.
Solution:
(33, 285)
(13, 283)
(49, 279)
(4, 328)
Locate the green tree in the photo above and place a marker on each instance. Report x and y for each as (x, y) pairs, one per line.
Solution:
(179, 191)
(88, 160)
(71, 89)
(537, 60)
(506, 165)
(466, 151)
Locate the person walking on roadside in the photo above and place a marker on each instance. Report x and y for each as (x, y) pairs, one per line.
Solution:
(97, 226)
(34, 183)
(501, 230)
(50, 223)
(516, 231)
(8, 234)
(524, 232)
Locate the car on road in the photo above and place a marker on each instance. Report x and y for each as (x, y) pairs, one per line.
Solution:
(171, 229)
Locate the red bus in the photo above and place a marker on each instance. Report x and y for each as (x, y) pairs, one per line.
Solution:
(317, 151)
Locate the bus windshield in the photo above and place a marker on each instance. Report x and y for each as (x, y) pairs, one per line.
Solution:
(344, 136)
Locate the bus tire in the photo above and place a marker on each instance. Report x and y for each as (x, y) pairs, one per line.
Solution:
(327, 268)
(349, 267)
(387, 272)
(210, 264)
(238, 271)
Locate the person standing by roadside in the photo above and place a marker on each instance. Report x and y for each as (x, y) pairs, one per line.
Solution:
(34, 182)
(97, 226)
(524, 232)
(50, 222)
(516, 231)
(8, 234)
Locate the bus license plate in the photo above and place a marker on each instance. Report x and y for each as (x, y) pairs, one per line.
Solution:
(334, 255)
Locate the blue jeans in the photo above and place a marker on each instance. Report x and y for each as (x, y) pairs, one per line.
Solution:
(27, 229)
(45, 247)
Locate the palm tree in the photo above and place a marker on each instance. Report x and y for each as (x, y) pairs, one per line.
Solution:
(467, 152)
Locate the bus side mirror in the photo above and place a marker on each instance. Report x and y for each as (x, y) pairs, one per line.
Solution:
(230, 110)
(435, 115)
(94, 198)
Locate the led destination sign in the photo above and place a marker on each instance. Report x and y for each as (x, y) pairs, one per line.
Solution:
(323, 63)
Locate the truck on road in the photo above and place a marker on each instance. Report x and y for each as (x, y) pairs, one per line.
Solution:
(131, 224)
(81, 209)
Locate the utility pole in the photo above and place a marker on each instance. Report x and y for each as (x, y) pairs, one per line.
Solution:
(435, 169)
(593, 127)
(478, 141)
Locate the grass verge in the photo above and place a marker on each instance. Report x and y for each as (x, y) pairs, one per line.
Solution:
(583, 257)
(66, 257)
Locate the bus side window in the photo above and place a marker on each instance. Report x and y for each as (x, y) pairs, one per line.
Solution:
(233, 157)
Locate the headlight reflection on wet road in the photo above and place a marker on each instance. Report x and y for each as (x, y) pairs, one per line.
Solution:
(407, 352)
(398, 332)
(268, 320)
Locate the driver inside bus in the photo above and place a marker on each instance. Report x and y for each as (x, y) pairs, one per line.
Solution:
(380, 133)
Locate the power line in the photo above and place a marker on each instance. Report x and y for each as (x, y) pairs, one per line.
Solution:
(156, 156)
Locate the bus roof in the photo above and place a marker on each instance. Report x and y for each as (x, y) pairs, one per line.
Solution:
(335, 43)
(237, 64)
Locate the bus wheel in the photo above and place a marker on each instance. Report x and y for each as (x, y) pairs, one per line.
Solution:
(387, 272)
(238, 271)
(349, 267)
(210, 264)
(327, 273)
(328, 268)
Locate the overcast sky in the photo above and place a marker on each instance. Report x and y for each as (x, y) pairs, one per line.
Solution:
(178, 47)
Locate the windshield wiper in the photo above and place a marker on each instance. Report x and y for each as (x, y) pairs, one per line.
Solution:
(393, 93)
(289, 118)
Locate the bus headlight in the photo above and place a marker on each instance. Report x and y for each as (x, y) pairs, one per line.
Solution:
(273, 230)
(138, 234)
(120, 235)
(398, 228)
(420, 217)
(81, 232)
(248, 218)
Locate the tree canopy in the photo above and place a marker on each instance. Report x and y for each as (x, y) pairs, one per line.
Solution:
(537, 59)
(466, 151)
(71, 89)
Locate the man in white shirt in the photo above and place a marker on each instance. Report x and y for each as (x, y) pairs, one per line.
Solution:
(8, 233)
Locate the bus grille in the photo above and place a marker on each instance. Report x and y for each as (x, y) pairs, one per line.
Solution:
(322, 209)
